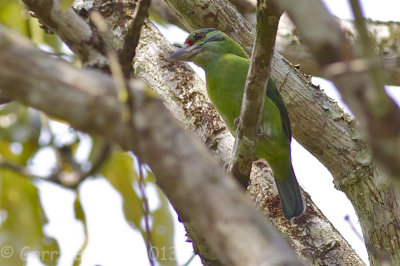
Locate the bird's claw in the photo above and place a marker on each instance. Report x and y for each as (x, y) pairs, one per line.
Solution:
(260, 133)
(265, 134)
(236, 122)
(226, 166)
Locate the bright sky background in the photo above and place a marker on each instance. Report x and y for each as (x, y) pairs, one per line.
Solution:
(113, 242)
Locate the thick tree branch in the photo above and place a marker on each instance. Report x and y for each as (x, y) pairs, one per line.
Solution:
(215, 14)
(72, 29)
(161, 13)
(4, 99)
(321, 127)
(377, 113)
(268, 16)
(365, 95)
(385, 35)
(185, 95)
(328, 137)
(198, 189)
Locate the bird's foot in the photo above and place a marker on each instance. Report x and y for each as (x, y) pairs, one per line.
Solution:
(226, 166)
(264, 134)
(236, 122)
(259, 133)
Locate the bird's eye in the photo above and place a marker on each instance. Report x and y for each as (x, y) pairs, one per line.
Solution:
(198, 36)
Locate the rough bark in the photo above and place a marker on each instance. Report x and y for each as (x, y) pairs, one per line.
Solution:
(377, 113)
(199, 189)
(72, 29)
(185, 95)
(322, 128)
(316, 122)
(214, 14)
(386, 36)
(268, 16)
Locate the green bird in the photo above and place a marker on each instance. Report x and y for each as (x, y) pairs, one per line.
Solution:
(226, 65)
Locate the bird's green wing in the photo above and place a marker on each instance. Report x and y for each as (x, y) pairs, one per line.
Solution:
(275, 96)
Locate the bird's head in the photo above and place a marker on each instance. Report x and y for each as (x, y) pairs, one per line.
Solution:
(204, 45)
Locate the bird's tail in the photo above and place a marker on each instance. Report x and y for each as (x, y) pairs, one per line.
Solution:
(293, 204)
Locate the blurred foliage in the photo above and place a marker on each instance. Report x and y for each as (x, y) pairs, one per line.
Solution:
(21, 230)
(162, 231)
(24, 133)
(22, 215)
(19, 128)
(118, 170)
(80, 215)
(13, 14)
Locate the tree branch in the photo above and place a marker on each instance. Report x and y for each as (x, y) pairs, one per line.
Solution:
(365, 95)
(321, 127)
(185, 95)
(72, 29)
(218, 14)
(385, 35)
(198, 189)
(377, 112)
(330, 140)
(61, 177)
(132, 35)
(268, 16)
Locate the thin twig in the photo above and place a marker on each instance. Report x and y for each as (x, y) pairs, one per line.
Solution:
(187, 263)
(366, 44)
(17, 168)
(359, 236)
(383, 114)
(97, 162)
(268, 16)
(59, 176)
(115, 68)
(24, 171)
(146, 211)
(124, 95)
(128, 51)
(126, 57)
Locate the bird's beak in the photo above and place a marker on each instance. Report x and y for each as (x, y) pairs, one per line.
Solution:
(185, 53)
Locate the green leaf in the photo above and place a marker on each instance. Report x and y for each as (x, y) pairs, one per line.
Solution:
(14, 15)
(163, 230)
(80, 215)
(119, 171)
(21, 229)
(97, 145)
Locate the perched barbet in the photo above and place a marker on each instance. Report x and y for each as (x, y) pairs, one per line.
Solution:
(226, 65)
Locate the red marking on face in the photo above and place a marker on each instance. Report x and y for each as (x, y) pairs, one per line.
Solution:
(189, 42)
